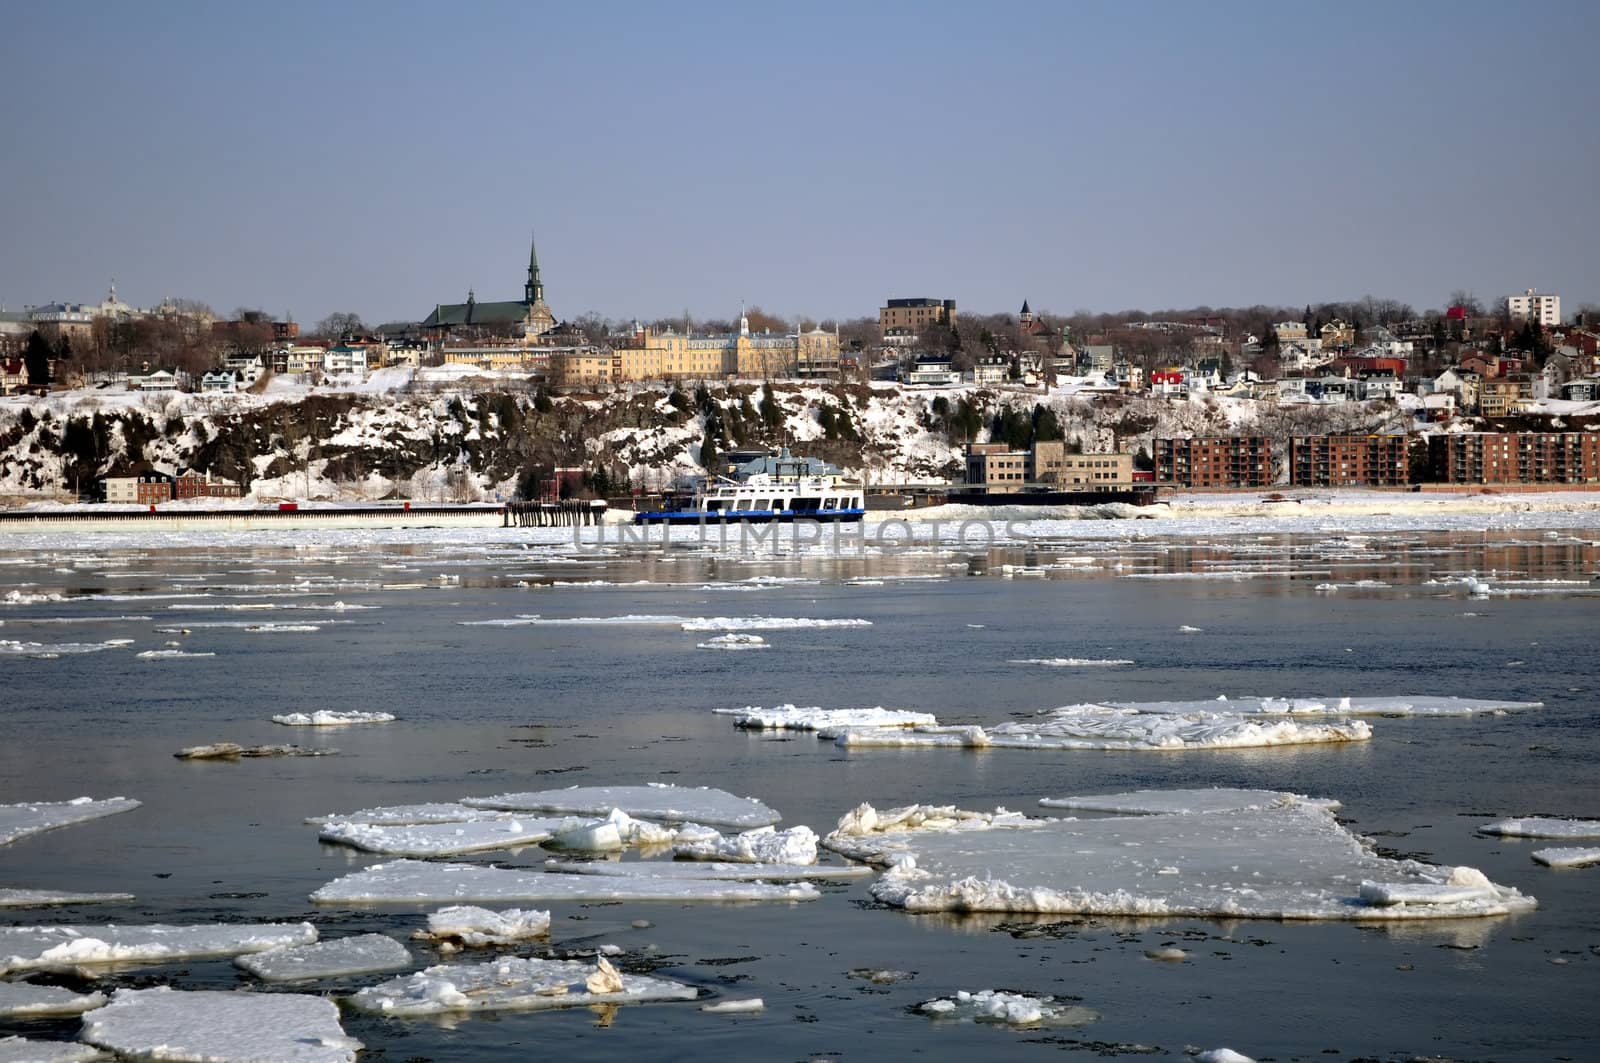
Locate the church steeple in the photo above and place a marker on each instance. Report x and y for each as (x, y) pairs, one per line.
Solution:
(533, 291)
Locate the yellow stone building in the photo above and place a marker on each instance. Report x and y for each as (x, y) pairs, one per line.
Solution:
(673, 355)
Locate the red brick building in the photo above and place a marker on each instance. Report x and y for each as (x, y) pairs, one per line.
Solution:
(1515, 458)
(1216, 461)
(1349, 461)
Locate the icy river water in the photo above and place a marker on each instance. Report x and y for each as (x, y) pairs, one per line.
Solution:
(485, 709)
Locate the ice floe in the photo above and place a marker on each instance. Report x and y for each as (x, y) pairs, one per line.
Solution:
(19, 898)
(28, 1050)
(767, 623)
(1288, 861)
(420, 882)
(825, 721)
(1104, 727)
(510, 984)
(1177, 802)
(764, 845)
(66, 948)
(1072, 662)
(331, 718)
(655, 801)
(1543, 827)
(715, 872)
(162, 655)
(610, 834)
(1566, 857)
(19, 597)
(403, 815)
(19, 821)
(233, 751)
(686, 623)
(1222, 1055)
(361, 954)
(734, 641)
(734, 1007)
(47, 650)
(212, 1026)
(1393, 705)
(479, 927)
(23, 1000)
(439, 839)
(1014, 1009)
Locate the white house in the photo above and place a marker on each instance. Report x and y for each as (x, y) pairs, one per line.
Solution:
(154, 380)
(219, 380)
(933, 371)
(992, 369)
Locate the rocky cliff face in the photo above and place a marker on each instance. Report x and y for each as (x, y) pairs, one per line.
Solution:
(467, 444)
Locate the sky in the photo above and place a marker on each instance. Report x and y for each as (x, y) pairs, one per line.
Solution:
(815, 159)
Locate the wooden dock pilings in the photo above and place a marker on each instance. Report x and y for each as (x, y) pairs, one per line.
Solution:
(565, 514)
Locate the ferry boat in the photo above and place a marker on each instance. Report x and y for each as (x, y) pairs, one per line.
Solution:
(769, 488)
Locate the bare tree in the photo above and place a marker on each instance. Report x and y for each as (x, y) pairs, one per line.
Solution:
(338, 325)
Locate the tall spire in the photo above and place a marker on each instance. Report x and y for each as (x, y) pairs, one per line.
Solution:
(533, 291)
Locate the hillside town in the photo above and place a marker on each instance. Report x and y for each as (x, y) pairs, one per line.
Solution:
(1465, 394)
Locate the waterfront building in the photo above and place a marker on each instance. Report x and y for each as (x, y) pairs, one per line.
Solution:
(1349, 461)
(1215, 461)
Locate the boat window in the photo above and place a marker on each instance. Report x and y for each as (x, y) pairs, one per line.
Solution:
(713, 504)
(805, 504)
(830, 503)
(777, 504)
(744, 503)
(763, 503)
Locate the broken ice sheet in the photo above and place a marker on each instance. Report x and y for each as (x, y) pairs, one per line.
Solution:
(28, 1050)
(1543, 827)
(233, 751)
(439, 839)
(331, 718)
(797, 845)
(655, 801)
(23, 1000)
(696, 870)
(1566, 857)
(1395, 705)
(480, 927)
(419, 882)
(825, 721)
(611, 834)
(1073, 662)
(220, 1027)
(405, 815)
(67, 948)
(19, 821)
(1291, 861)
(360, 954)
(509, 984)
(1015, 1009)
(16, 898)
(1168, 802)
(1103, 727)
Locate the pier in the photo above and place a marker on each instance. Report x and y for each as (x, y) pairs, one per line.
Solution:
(570, 513)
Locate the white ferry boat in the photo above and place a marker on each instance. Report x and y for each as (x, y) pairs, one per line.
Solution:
(770, 488)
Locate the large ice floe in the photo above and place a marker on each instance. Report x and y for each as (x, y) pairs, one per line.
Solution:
(331, 718)
(28, 1050)
(48, 650)
(1072, 662)
(68, 948)
(480, 928)
(1396, 705)
(1012, 1009)
(23, 1000)
(1106, 727)
(685, 623)
(1566, 857)
(826, 722)
(403, 815)
(1543, 827)
(360, 954)
(1177, 802)
(714, 871)
(510, 984)
(20, 898)
(797, 845)
(19, 821)
(733, 641)
(421, 882)
(440, 839)
(220, 1027)
(655, 801)
(1291, 860)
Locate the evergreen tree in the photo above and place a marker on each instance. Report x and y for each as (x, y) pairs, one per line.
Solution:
(1045, 427)
(36, 360)
(771, 412)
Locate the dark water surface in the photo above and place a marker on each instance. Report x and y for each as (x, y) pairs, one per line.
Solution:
(488, 709)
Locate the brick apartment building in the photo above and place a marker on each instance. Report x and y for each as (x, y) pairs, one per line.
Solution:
(1515, 458)
(1349, 461)
(1215, 461)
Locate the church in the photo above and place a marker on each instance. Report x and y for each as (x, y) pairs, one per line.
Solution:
(529, 315)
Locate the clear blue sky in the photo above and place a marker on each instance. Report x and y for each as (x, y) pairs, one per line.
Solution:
(381, 157)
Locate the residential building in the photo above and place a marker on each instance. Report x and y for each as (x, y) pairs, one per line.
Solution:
(1531, 306)
(1216, 461)
(346, 358)
(153, 380)
(219, 380)
(934, 371)
(1349, 461)
(13, 375)
(1290, 332)
(191, 483)
(585, 367)
(1498, 396)
(1097, 358)
(991, 369)
(1337, 333)
(916, 314)
(1586, 389)
(1129, 377)
(1515, 457)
